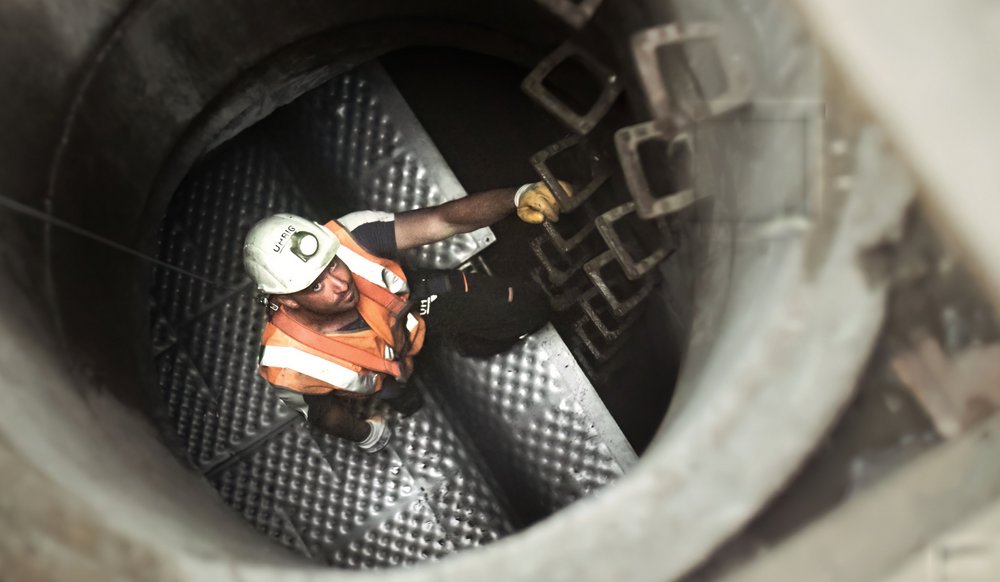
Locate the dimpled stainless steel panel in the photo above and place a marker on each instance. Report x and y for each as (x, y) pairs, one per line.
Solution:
(191, 406)
(566, 454)
(260, 503)
(209, 216)
(409, 536)
(380, 157)
(367, 484)
(163, 335)
(223, 344)
(177, 294)
(427, 443)
(326, 489)
(548, 437)
(469, 511)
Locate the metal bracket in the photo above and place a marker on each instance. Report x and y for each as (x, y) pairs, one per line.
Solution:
(575, 14)
(627, 142)
(539, 161)
(533, 86)
(645, 48)
(619, 306)
(634, 269)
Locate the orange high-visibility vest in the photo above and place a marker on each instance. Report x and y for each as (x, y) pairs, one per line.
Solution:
(354, 362)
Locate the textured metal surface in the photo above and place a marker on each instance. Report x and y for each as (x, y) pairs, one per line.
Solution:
(223, 346)
(205, 225)
(373, 149)
(190, 403)
(548, 436)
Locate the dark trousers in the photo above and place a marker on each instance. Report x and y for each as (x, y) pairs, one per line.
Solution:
(478, 315)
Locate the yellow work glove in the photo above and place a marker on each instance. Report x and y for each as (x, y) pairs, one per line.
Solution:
(536, 203)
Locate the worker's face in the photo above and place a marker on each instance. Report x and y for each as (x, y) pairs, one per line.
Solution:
(331, 293)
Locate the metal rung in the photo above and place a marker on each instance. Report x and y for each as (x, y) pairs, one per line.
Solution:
(567, 233)
(645, 47)
(600, 350)
(568, 244)
(569, 295)
(609, 333)
(619, 306)
(610, 88)
(599, 174)
(557, 275)
(575, 14)
(634, 269)
(627, 142)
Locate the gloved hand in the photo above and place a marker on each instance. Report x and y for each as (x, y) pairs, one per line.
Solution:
(536, 203)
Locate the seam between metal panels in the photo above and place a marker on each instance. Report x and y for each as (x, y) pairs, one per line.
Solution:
(247, 447)
(586, 396)
(294, 529)
(418, 140)
(215, 303)
(580, 391)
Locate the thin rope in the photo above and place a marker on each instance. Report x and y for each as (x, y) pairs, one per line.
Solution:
(26, 210)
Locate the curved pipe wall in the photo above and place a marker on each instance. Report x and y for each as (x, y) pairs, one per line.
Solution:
(111, 105)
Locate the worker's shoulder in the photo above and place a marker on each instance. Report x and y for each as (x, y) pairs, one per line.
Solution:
(355, 219)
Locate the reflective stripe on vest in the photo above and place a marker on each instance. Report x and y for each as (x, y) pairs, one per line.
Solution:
(319, 368)
(370, 271)
(377, 274)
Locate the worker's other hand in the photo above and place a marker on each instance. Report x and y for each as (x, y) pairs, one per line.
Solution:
(536, 203)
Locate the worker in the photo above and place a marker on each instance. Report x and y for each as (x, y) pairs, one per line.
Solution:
(345, 319)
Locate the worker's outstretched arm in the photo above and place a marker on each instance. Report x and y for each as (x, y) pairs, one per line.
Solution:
(414, 228)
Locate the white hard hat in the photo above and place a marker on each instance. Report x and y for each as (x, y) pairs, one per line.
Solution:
(285, 253)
